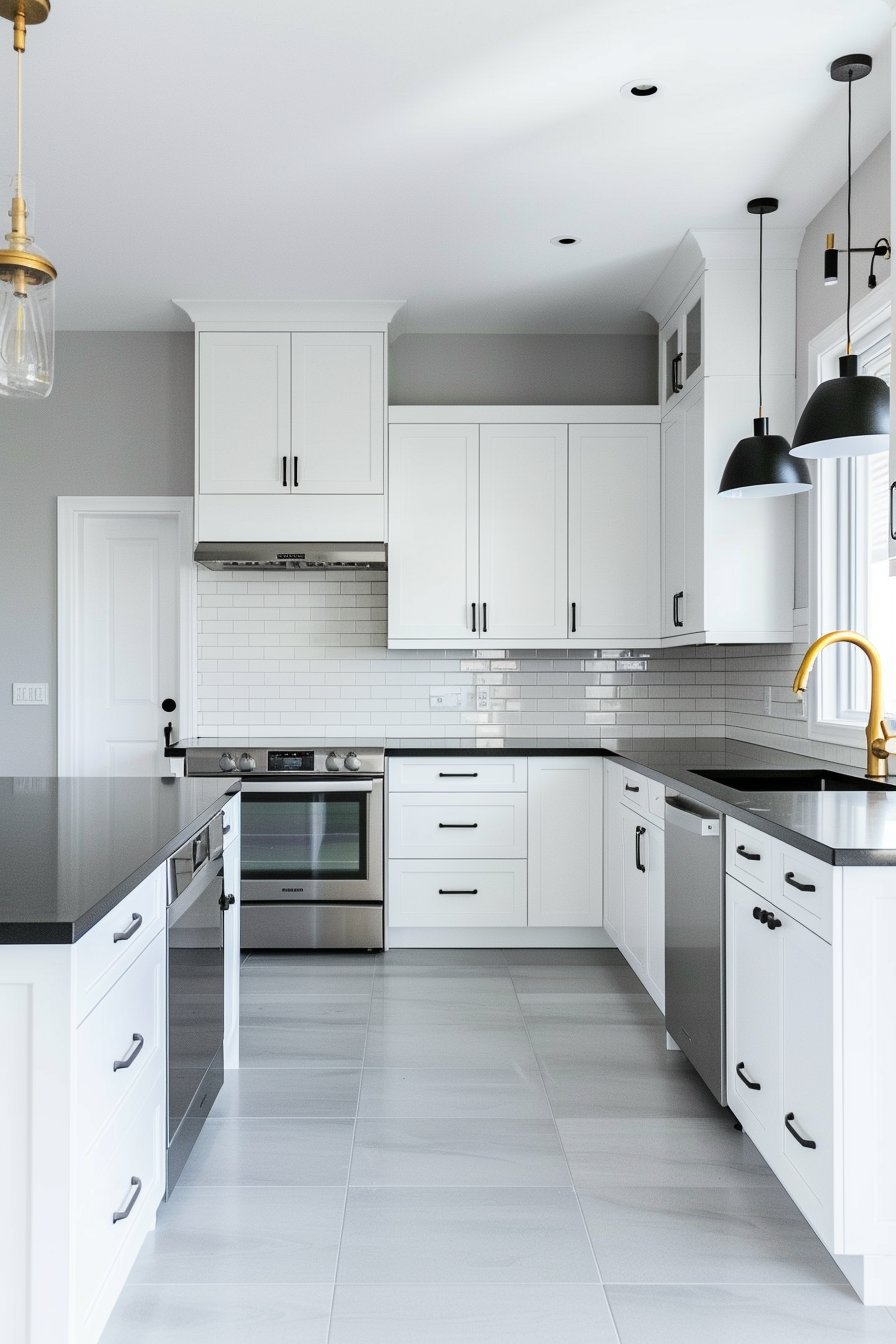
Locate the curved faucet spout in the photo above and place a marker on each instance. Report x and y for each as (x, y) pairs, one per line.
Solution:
(876, 734)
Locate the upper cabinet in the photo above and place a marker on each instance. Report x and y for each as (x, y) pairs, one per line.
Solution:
(290, 421)
(681, 348)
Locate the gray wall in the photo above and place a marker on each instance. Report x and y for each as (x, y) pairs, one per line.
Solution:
(119, 421)
(523, 370)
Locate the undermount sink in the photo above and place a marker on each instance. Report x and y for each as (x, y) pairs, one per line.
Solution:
(793, 781)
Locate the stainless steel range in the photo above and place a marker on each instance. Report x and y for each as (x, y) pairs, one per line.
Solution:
(312, 842)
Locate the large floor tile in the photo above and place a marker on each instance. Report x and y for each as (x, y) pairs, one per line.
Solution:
(588, 1046)
(271, 1152)
(607, 979)
(423, 986)
(292, 1047)
(288, 1093)
(244, 1234)
(673, 1089)
(498, 1012)
(661, 1152)
(467, 1313)
(590, 1010)
(304, 1010)
(669, 1234)
(758, 1314)
(458, 1152)
(498, 1094)
(448, 1047)
(521, 957)
(427, 1235)
(223, 1313)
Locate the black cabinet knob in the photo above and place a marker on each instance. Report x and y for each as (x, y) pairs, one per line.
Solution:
(757, 913)
(169, 705)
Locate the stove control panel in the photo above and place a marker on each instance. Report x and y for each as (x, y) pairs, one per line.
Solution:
(290, 761)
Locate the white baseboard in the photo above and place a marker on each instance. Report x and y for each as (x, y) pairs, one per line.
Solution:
(548, 937)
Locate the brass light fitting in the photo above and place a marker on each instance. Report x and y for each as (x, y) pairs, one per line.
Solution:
(878, 734)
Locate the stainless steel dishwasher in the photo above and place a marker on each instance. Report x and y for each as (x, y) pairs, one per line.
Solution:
(695, 937)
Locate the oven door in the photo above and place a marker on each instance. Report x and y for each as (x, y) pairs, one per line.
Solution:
(308, 840)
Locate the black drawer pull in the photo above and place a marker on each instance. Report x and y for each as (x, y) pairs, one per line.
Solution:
(766, 917)
(458, 774)
(137, 1187)
(125, 934)
(633, 788)
(458, 891)
(754, 1087)
(804, 1143)
(130, 1054)
(639, 831)
(800, 886)
(458, 825)
(226, 902)
(676, 613)
(745, 853)
(226, 830)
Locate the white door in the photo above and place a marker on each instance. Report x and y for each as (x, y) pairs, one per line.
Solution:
(807, 1035)
(565, 841)
(754, 964)
(124, 633)
(614, 879)
(523, 533)
(674, 524)
(614, 532)
(338, 418)
(634, 859)
(434, 532)
(244, 413)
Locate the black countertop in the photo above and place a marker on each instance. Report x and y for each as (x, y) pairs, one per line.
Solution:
(71, 849)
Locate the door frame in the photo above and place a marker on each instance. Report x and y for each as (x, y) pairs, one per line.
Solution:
(70, 510)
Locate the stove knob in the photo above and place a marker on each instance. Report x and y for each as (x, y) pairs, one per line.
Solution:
(227, 762)
(246, 762)
(352, 762)
(332, 761)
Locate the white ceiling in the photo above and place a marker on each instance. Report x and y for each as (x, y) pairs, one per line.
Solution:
(422, 150)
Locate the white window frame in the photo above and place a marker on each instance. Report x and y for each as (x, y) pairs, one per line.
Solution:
(827, 720)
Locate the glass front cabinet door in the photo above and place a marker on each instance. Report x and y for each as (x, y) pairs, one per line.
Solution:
(681, 346)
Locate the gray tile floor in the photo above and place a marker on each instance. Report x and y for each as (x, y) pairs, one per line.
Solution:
(474, 1148)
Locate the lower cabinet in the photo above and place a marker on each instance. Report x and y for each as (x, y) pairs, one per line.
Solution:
(634, 878)
(565, 840)
(460, 893)
(232, 947)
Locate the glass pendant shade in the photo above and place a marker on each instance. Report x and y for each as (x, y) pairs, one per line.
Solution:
(847, 416)
(27, 323)
(761, 465)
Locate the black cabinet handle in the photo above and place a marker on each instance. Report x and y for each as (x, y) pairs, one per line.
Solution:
(745, 853)
(676, 372)
(639, 831)
(458, 774)
(130, 1054)
(773, 923)
(125, 934)
(676, 615)
(754, 1087)
(137, 1185)
(573, 618)
(892, 524)
(800, 886)
(458, 825)
(633, 788)
(757, 912)
(226, 902)
(484, 619)
(458, 891)
(473, 605)
(226, 830)
(766, 917)
(285, 480)
(295, 473)
(804, 1143)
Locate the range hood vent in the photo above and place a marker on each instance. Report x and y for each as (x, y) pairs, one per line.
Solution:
(289, 555)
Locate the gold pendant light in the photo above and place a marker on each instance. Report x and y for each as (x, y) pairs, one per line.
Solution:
(27, 277)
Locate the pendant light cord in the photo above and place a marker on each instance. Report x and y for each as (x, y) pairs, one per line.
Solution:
(849, 220)
(19, 128)
(761, 218)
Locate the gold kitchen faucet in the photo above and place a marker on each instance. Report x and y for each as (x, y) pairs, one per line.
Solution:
(879, 734)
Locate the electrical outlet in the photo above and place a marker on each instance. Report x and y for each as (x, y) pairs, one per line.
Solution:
(631, 664)
(445, 697)
(30, 693)
(482, 697)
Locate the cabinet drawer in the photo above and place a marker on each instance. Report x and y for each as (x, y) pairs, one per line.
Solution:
(107, 1189)
(431, 826)
(231, 821)
(749, 856)
(633, 790)
(458, 893)
(111, 946)
(127, 1028)
(803, 886)
(442, 774)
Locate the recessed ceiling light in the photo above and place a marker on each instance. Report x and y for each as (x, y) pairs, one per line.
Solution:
(640, 88)
(565, 240)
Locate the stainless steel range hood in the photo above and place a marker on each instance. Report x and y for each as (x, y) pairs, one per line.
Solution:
(228, 555)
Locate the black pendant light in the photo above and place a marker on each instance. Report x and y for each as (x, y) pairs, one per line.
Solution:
(847, 416)
(761, 465)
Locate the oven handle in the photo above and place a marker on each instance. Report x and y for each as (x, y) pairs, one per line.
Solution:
(307, 786)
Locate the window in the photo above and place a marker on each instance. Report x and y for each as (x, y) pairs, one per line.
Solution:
(855, 590)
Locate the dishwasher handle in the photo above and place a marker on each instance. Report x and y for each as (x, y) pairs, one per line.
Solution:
(697, 823)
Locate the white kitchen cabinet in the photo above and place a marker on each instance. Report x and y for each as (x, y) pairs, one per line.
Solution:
(523, 533)
(232, 949)
(615, 528)
(634, 877)
(754, 955)
(243, 412)
(681, 348)
(457, 893)
(565, 841)
(455, 825)
(338, 412)
(682, 518)
(433, 587)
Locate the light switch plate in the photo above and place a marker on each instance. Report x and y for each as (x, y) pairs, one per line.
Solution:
(631, 664)
(30, 693)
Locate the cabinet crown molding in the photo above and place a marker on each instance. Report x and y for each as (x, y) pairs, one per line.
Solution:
(385, 315)
(524, 415)
(706, 250)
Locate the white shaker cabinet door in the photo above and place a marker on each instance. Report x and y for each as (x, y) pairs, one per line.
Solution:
(338, 424)
(244, 413)
(565, 841)
(683, 517)
(614, 532)
(754, 972)
(434, 532)
(523, 533)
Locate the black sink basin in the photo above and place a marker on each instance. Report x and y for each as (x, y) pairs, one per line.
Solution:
(793, 781)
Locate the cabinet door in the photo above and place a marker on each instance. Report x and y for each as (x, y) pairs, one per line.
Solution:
(754, 989)
(683, 518)
(338, 400)
(614, 881)
(434, 532)
(523, 533)
(636, 921)
(565, 841)
(232, 957)
(614, 532)
(244, 413)
(808, 1074)
(654, 859)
